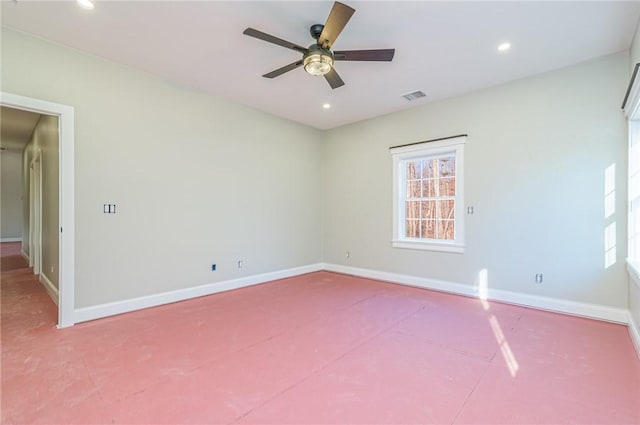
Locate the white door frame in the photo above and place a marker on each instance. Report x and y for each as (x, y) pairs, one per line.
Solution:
(32, 215)
(66, 187)
(35, 213)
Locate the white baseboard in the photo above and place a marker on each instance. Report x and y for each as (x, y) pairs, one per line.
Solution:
(25, 255)
(104, 310)
(10, 239)
(634, 333)
(50, 287)
(593, 311)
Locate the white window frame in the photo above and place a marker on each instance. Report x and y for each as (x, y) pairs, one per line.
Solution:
(632, 111)
(403, 154)
(634, 192)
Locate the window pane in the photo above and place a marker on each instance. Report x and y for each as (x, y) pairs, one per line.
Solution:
(446, 229)
(412, 229)
(413, 209)
(429, 188)
(447, 186)
(428, 210)
(414, 170)
(446, 210)
(447, 166)
(634, 230)
(429, 168)
(428, 229)
(414, 189)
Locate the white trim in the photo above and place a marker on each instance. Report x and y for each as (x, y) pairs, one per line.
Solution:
(428, 246)
(25, 255)
(436, 144)
(66, 200)
(32, 215)
(50, 287)
(10, 239)
(634, 333)
(401, 155)
(35, 212)
(104, 310)
(593, 311)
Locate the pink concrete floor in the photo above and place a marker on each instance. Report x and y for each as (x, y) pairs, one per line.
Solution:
(321, 348)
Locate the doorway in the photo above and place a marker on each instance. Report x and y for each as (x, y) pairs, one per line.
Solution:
(66, 201)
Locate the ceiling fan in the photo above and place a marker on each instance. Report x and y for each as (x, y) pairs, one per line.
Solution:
(318, 58)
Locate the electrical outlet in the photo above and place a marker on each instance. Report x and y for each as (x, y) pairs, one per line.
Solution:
(538, 278)
(213, 267)
(240, 264)
(109, 208)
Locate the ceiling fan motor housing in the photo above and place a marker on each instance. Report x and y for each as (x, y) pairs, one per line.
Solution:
(314, 49)
(316, 30)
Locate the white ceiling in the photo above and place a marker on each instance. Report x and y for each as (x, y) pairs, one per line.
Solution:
(16, 128)
(442, 48)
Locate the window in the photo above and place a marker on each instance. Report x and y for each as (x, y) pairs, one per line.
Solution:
(634, 193)
(428, 195)
(631, 106)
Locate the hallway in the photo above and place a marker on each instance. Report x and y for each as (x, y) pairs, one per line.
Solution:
(23, 297)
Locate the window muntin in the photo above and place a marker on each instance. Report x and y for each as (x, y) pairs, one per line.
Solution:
(428, 197)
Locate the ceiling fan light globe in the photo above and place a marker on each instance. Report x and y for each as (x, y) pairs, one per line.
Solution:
(317, 63)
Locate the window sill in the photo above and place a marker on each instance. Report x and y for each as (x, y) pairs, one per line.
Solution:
(427, 246)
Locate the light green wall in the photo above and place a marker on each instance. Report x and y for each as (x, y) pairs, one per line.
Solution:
(535, 162)
(11, 201)
(45, 141)
(634, 51)
(196, 180)
(199, 180)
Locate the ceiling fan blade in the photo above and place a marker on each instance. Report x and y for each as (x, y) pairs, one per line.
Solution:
(275, 40)
(338, 18)
(280, 71)
(382, 55)
(333, 79)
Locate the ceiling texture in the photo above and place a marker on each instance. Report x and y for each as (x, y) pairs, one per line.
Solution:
(442, 48)
(16, 128)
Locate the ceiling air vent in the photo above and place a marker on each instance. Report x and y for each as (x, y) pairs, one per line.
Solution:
(415, 95)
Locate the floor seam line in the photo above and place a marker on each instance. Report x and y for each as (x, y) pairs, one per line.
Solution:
(247, 347)
(323, 367)
(473, 390)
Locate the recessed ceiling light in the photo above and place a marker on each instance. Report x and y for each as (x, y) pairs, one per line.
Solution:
(326, 106)
(86, 4)
(504, 47)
